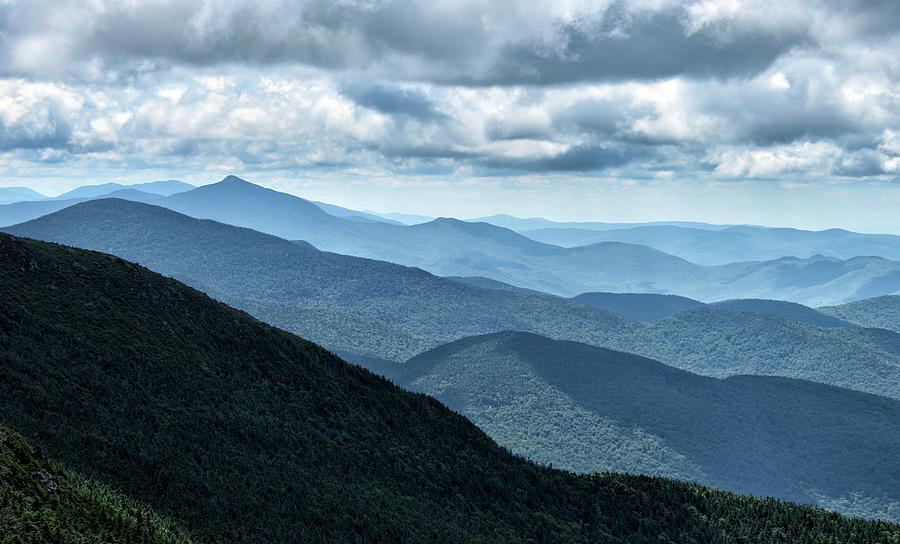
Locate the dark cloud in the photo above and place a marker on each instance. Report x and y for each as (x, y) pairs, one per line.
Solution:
(582, 158)
(41, 127)
(860, 164)
(394, 101)
(645, 46)
(412, 40)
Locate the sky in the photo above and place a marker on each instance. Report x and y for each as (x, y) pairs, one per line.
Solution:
(784, 113)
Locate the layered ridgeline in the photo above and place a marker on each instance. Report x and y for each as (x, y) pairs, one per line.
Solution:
(18, 204)
(450, 247)
(17, 194)
(244, 433)
(879, 312)
(713, 246)
(650, 307)
(585, 408)
(349, 304)
(645, 307)
(42, 503)
(373, 311)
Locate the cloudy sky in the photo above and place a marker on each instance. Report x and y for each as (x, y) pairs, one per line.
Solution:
(774, 112)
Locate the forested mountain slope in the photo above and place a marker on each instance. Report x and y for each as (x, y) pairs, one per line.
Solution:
(880, 312)
(566, 402)
(245, 433)
(42, 503)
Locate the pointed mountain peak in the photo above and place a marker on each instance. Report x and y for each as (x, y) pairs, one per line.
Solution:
(234, 180)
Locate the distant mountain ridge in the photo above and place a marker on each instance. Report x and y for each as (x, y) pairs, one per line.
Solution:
(162, 188)
(385, 313)
(734, 243)
(20, 210)
(564, 402)
(450, 247)
(17, 194)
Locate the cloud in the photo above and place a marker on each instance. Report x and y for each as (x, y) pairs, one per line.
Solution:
(705, 89)
(443, 41)
(394, 100)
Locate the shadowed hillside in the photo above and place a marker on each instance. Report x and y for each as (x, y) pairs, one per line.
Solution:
(245, 433)
(566, 403)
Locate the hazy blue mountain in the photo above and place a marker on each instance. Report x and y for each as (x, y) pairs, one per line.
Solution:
(383, 312)
(733, 244)
(355, 215)
(790, 310)
(404, 218)
(648, 307)
(237, 202)
(163, 188)
(566, 403)
(19, 212)
(880, 312)
(519, 224)
(17, 194)
(487, 283)
(371, 308)
(450, 247)
(243, 433)
(640, 306)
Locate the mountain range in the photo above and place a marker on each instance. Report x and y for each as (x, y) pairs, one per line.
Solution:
(16, 194)
(732, 244)
(452, 247)
(240, 432)
(379, 314)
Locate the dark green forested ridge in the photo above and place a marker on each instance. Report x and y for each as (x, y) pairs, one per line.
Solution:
(880, 312)
(244, 433)
(715, 342)
(567, 403)
(781, 308)
(42, 503)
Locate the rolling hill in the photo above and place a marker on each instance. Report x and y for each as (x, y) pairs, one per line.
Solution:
(879, 312)
(781, 308)
(365, 217)
(244, 433)
(716, 342)
(565, 403)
